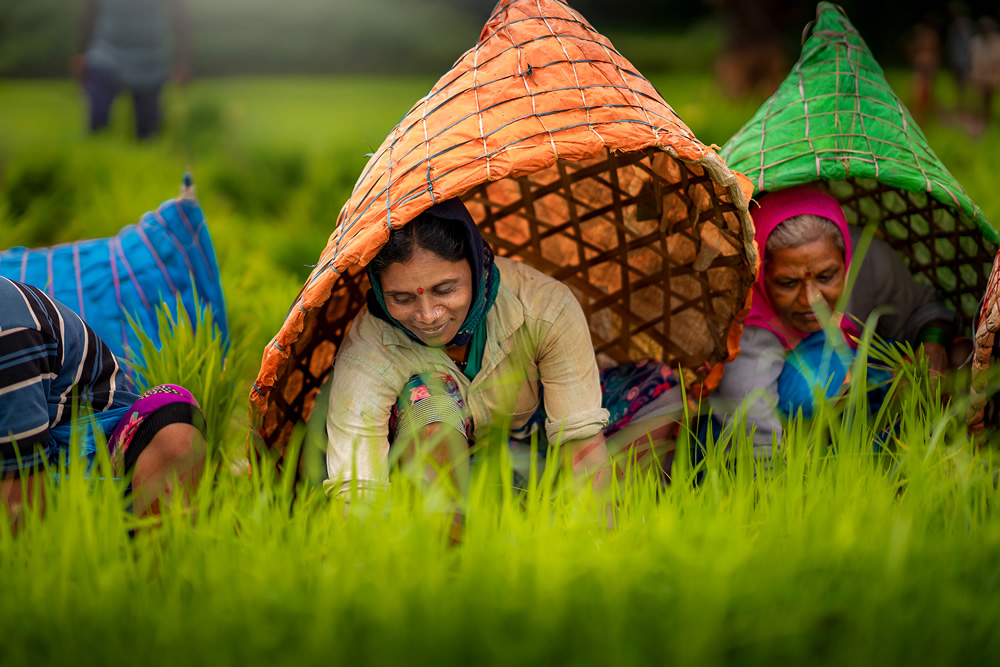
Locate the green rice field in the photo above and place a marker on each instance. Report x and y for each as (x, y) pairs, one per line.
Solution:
(831, 555)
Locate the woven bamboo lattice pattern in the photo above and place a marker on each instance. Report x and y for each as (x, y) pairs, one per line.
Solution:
(836, 119)
(569, 160)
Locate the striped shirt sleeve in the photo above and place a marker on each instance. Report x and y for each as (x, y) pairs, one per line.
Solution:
(28, 364)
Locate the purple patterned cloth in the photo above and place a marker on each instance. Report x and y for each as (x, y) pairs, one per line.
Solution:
(157, 407)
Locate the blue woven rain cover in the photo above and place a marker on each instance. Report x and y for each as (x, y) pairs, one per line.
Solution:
(810, 369)
(168, 253)
(814, 369)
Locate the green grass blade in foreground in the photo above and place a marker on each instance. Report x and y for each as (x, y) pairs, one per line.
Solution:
(801, 565)
(194, 357)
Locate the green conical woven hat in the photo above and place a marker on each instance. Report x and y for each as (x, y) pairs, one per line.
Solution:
(836, 119)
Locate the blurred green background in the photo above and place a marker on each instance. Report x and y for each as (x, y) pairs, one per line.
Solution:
(37, 37)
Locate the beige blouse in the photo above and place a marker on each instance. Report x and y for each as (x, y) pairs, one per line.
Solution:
(537, 337)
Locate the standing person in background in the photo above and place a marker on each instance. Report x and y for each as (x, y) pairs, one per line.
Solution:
(753, 59)
(986, 64)
(124, 46)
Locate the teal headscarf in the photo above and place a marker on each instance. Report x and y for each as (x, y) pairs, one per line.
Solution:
(485, 277)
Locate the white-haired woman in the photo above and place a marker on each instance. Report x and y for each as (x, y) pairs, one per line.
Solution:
(806, 249)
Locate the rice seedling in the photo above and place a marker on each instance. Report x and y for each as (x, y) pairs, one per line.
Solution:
(195, 356)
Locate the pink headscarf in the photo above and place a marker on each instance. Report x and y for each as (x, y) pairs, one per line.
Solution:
(773, 210)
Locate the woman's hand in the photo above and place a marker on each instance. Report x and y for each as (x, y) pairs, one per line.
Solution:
(933, 338)
(590, 458)
(937, 355)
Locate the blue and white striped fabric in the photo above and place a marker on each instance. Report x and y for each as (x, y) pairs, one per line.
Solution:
(168, 253)
(48, 359)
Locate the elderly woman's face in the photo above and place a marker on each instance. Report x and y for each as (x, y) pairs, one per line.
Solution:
(428, 295)
(795, 277)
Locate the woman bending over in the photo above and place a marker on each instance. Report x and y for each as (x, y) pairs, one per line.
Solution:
(454, 343)
(806, 251)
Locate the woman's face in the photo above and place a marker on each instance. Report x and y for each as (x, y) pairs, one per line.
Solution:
(428, 295)
(793, 277)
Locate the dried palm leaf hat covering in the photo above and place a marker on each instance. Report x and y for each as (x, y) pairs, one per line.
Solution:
(568, 160)
(836, 120)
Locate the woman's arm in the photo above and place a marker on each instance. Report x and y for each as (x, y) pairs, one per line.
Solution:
(589, 457)
(885, 282)
(915, 311)
(572, 391)
(748, 391)
(357, 426)
(935, 339)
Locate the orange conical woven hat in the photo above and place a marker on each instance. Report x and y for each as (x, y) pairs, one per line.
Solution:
(569, 160)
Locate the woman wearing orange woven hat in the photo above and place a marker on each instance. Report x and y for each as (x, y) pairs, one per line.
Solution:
(455, 343)
(806, 248)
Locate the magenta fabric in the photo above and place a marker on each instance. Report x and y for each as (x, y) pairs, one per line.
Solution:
(773, 209)
(152, 400)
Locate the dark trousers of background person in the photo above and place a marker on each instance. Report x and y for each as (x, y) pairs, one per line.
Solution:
(102, 88)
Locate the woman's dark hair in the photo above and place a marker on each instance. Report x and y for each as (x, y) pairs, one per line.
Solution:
(444, 238)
